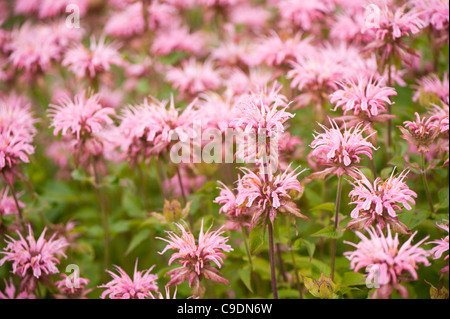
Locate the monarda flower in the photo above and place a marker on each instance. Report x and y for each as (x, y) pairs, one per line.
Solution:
(178, 39)
(421, 133)
(366, 95)
(267, 195)
(90, 62)
(10, 292)
(430, 87)
(194, 77)
(387, 262)
(441, 247)
(16, 116)
(32, 259)
(13, 151)
(72, 287)
(340, 151)
(304, 13)
(238, 216)
(380, 202)
(124, 287)
(196, 257)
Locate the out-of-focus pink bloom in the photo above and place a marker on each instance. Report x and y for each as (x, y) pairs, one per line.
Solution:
(181, 4)
(432, 84)
(33, 259)
(366, 95)
(10, 292)
(127, 22)
(124, 287)
(441, 114)
(178, 38)
(441, 247)
(26, 7)
(304, 13)
(254, 17)
(16, 116)
(341, 151)
(434, 12)
(13, 150)
(218, 110)
(234, 52)
(349, 27)
(80, 117)
(48, 8)
(4, 12)
(89, 62)
(389, 261)
(275, 51)
(8, 205)
(196, 257)
(380, 202)
(152, 126)
(194, 77)
(420, 133)
(216, 3)
(72, 287)
(392, 22)
(191, 183)
(267, 194)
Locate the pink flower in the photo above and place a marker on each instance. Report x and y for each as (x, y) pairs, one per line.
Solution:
(380, 202)
(178, 38)
(434, 12)
(393, 22)
(89, 62)
(72, 287)
(441, 247)
(386, 260)
(127, 22)
(8, 205)
(33, 259)
(80, 117)
(196, 257)
(194, 77)
(441, 115)
(123, 287)
(267, 194)
(10, 292)
(432, 85)
(13, 150)
(16, 116)
(304, 13)
(366, 95)
(420, 133)
(341, 151)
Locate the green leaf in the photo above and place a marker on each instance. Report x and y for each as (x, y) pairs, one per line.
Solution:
(256, 239)
(310, 247)
(413, 219)
(443, 198)
(80, 175)
(328, 232)
(137, 239)
(353, 279)
(245, 274)
(329, 207)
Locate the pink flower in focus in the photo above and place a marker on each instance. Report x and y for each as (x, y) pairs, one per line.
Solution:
(196, 257)
(387, 261)
(194, 77)
(341, 151)
(10, 292)
(31, 259)
(80, 117)
(89, 62)
(420, 133)
(441, 247)
(268, 194)
(380, 202)
(366, 95)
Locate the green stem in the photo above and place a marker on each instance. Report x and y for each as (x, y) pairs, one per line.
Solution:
(294, 263)
(272, 261)
(247, 249)
(425, 182)
(16, 202)
(336, 225)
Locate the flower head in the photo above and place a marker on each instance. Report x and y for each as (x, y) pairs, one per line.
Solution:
(387, 259)
(124, 287)
(80, 117)
(196, 257)
(341, 151)
(366, 95)
(266, 194)
(10, 292)
(72, 287)
(380, 202)
(420, 133)
(33, 259)
(89, 62)
(441, 247)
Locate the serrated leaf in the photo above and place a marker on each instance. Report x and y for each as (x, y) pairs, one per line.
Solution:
(245, 274)
(328, 232)
(137, 239)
